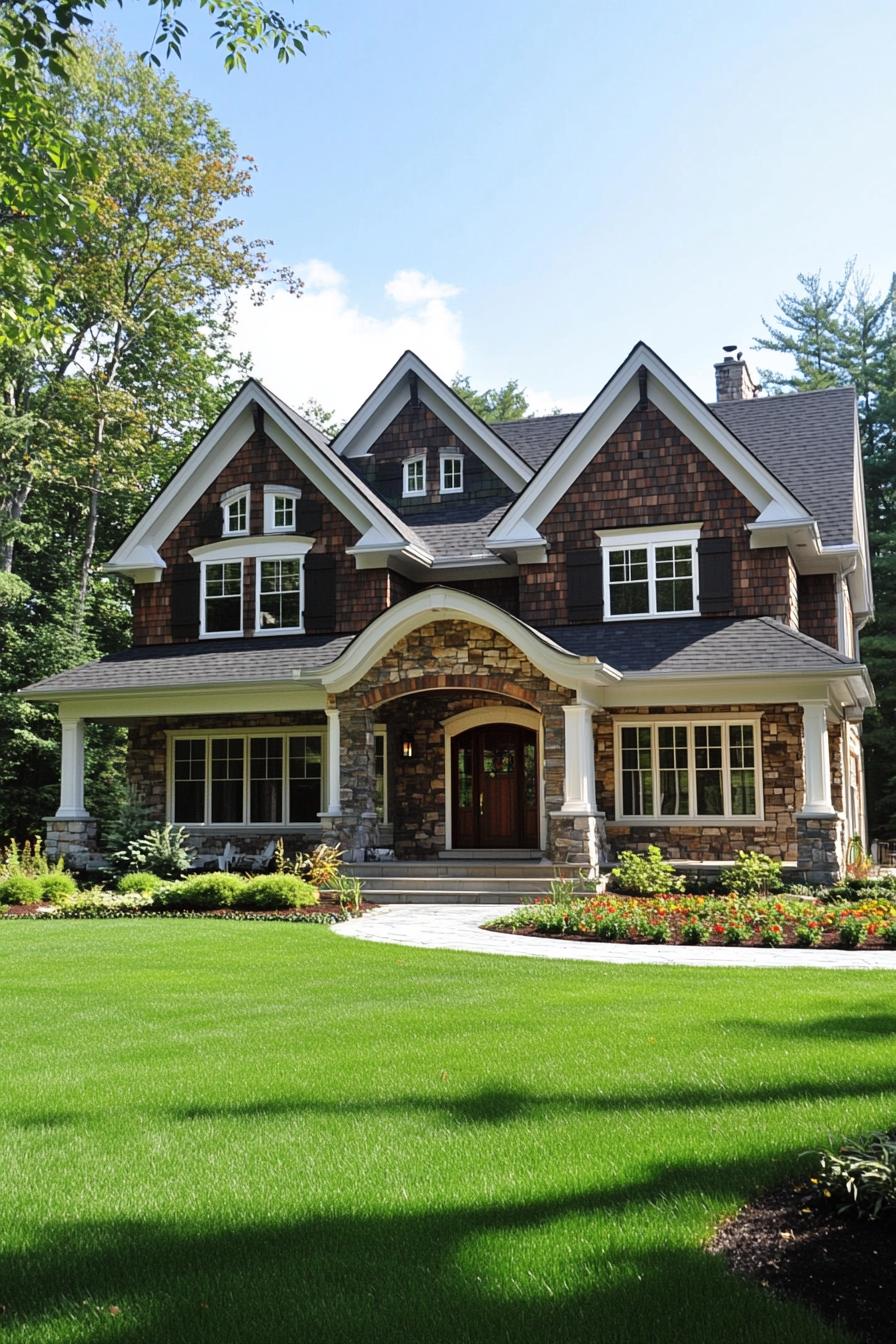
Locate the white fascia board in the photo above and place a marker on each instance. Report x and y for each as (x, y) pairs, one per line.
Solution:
(672, 397)
(252, 548)
(736, 688)
(440, 604)
(213, 698)
(223, 441)
(385, 402)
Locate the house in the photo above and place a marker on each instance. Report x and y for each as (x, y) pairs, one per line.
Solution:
(565, 635)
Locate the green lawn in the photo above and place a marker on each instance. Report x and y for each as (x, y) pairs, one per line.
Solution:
(260, 1132)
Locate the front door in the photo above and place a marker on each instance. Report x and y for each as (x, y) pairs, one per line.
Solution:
(494, 788)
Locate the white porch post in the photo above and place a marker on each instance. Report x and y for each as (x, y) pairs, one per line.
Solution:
(334, 781)
(71, 792)
(816, 760)
(579, 793)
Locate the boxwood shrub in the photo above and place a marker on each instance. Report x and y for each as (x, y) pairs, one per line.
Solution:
(20, 890)
(274, 891)
(140, 882)
(202, 891)
(57, 884)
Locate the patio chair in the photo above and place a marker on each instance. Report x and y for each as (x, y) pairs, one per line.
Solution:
(254, 863)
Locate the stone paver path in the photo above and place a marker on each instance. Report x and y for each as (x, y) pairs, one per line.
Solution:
(457, 927)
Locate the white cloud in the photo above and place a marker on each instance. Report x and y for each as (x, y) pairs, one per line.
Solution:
(324, 346)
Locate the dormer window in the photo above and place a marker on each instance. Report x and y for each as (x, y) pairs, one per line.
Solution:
(235, 508)
(650, 573)
(415, 476)
(280, 508)
(452, 482)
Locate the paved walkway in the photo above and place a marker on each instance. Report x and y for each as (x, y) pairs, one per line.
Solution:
(457, 927)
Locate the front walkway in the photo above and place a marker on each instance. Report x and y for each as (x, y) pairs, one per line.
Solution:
(457, 927)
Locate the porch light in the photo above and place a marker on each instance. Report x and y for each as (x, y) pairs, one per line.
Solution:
(407, 748)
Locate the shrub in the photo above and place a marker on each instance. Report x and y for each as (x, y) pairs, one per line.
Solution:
(798, 891)
(29, 861)
(852, 932)
(645, 875)
(163, 851)
(203, 891)
(56, 885)
(808, 934)
(141, 882)
(734, 935)
(19, 890)
(131, 820)
(772, 936)
(97, 902)
(275, 891)
(863, 1175)
(754, 874)
(694, 932)
(859, 889)
(888, 934)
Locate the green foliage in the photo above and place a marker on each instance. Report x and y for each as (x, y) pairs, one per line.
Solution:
(202, 891)
(56, 885)
(130, 820)
(807, 934)
(852, 932)
(645, 875)
(349, 891)
(495, 404)
(164, 850)
(862, 1175)
(139, 882)
(97, 904)
(694, 932)
(888, 933)
(754, 874)
(275, 891)
(27, 860)
(17, 889)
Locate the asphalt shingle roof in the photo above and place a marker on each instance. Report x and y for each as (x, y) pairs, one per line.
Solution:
(537, 437)
(459, 533)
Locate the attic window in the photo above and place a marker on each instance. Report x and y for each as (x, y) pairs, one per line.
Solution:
(235, 509)
(415, 476)
(452, 482)
(280, 508)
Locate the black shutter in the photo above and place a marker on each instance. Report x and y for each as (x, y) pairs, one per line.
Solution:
(320, 592)
(184, 583)
(388, 479)
(309, 517)
(714, 564)
(584, 585)
(211, 525)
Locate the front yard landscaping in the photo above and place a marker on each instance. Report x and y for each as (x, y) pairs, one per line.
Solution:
(237, 1131)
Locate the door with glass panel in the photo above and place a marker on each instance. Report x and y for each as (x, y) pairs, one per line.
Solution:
(494, 788)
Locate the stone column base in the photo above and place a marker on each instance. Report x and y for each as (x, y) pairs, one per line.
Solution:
(820, 856)
(352, 832)
(73, 839)
(578, 839)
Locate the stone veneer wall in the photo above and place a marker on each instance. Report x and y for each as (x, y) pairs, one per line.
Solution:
(782, 778)
(649, 474)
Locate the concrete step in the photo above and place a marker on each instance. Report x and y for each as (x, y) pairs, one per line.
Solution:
(540, 871)
(385, 897)
(492, 856)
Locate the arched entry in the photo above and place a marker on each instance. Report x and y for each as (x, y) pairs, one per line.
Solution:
(494, 786)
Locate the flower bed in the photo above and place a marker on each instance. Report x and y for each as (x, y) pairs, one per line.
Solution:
(720, 921)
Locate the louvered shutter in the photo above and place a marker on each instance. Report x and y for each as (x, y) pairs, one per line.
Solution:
(211, 524)
(388, 479)
(309, 517)
(584, 585)
(320, 592)
(714, 566)
(184, 583)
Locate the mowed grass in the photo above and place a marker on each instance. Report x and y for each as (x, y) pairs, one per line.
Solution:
(257, 1132)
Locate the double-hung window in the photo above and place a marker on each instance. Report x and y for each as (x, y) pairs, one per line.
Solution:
(247, 779)
(648, 575)
(415, 476)
(702, 770)
(235, 509)
(452, 474)
(278, 589)
(222, 598)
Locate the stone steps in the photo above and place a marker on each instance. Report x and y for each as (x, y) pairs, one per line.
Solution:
(457, 881)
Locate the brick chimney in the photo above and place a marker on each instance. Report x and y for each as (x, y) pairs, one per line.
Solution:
(734, 382)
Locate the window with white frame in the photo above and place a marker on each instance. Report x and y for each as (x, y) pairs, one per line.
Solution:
(280, 509)
(452, 468)
(693, 769)
(221, 606)
(415, 476)
(380, 776)
(246, 778)
(650, 575)
(278, 594)
(236, 514)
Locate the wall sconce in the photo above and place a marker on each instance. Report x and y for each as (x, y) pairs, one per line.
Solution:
(407, 749)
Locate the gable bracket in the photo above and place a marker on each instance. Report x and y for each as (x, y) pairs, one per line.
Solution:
(642, 389)
(258, 417)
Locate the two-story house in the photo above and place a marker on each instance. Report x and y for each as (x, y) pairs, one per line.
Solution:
(564, 635)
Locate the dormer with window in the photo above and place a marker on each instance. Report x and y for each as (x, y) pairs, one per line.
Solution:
(235, 512)
(414, 477)
(451, 474)
(650, 573)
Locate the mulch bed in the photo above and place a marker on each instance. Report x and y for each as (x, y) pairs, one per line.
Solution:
(326, 906)
(841, 1266)
(829, 939)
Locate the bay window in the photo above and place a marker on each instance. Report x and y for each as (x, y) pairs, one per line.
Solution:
(695, 769)
(221, 608)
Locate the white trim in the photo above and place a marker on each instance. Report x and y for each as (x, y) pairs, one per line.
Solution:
(227, 502)
(271, 494)
(671, 534)
(406, 492)
(234, 493)
(817, 801)
(445, 456)
(267, 548)
(475, 718)
(245, 734)
(220, 634)
(445, 604)
(280, 629)
(71, 778)
(690, 721)
(649, 543)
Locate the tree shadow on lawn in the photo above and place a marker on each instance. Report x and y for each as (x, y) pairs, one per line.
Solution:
(374, 1279)
(843, 1027)
(495, 1106)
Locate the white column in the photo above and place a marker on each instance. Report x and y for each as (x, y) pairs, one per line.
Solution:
(579, 794)
(816, 760)
(71, 791)
(334, 783)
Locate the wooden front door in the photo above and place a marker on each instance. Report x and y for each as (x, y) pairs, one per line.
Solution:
(494, 788)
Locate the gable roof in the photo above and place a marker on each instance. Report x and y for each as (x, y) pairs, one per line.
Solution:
(536, 437)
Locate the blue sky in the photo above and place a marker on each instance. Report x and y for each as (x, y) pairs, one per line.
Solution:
(524, 191)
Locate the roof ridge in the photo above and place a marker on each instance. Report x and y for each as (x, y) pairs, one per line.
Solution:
(786, 396)
(802, 638)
